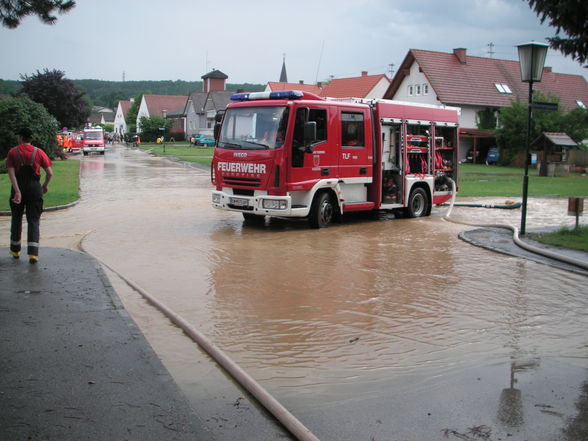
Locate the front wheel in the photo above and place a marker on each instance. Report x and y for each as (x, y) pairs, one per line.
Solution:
(418, 203)
(322, 211)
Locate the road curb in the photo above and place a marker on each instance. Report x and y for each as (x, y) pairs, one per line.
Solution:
(54, 208)
(500, 240)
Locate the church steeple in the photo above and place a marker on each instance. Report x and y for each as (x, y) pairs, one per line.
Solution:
(283, 75)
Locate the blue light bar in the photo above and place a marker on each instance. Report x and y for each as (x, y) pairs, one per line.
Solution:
(281, 95)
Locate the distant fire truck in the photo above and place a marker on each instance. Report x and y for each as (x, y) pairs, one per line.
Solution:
(294, 154)
(93, 140)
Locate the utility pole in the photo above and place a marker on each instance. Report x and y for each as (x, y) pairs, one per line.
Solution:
(490, 50)
(391, 69)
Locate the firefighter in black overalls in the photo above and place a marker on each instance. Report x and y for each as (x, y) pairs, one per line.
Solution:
(23, 164)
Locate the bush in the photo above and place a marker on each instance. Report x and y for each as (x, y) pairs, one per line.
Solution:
(16, 113)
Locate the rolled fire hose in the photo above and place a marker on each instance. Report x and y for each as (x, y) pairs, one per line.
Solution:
(289, 421)
(515, 235)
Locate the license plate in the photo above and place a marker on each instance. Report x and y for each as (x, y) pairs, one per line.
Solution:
(239, 202)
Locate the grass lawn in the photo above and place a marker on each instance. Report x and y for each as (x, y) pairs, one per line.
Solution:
(63, 189)
(474, 179)
(575, 238)
(183, 151)
(483, 180)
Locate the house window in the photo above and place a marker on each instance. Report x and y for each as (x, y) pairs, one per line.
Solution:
(410, 90)
(417, 89)
(503, 88)
(580, 104)
(425, 89)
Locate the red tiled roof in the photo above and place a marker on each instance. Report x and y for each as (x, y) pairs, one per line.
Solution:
(277, 86)
(473, 82)
(356, 87)
(125, 106)
(156, 104)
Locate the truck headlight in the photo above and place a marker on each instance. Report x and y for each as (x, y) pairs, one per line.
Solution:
(216, 198)
(274, 204)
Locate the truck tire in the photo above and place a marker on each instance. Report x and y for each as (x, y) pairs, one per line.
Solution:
(418, 203)
(322, 211)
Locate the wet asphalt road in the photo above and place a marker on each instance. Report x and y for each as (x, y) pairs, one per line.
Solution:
(374, 329)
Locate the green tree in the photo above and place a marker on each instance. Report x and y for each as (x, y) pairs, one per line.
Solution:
(16, 113)
(512, 133)
(59, 96)
(13, 11)
(109, 128)
(568, 16)
(150, 128)
(131, 118)
(111, 99)
(575, 124)
(487, 119)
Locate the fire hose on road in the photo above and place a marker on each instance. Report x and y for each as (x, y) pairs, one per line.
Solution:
(515, 236)
(289, 421)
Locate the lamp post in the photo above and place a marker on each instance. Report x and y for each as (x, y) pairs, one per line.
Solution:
(531, 59)
(164, 112)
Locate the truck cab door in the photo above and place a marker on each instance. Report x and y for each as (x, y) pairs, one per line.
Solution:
(316, 159)
(356, 153)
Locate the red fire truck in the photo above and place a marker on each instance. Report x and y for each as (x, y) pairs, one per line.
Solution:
(295, 154)
(93, 140)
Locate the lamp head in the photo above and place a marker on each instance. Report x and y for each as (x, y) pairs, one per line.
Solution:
(532, 59)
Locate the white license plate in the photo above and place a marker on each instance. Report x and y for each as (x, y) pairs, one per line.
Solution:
(239, 202)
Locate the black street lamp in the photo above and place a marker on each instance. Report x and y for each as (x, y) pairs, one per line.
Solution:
(531, 59)
(164, 113)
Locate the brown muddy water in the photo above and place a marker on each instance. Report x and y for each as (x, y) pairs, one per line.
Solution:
(375, 329)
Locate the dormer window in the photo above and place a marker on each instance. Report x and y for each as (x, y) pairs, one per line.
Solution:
(580, 104)
(503, 88)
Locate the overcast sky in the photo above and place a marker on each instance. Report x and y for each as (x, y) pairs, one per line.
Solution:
(184, 39)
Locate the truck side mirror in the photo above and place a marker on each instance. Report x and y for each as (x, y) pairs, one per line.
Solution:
(218, 123)
(309, 135)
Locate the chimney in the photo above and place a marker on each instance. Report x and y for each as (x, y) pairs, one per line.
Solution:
(461, 54)
(547, 69)
(364, 73)
(300, 81)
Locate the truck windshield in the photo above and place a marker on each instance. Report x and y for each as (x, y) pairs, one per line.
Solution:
(254, 128)
(93, 135)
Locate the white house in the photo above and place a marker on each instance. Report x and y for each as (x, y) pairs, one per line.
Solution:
(120, 122)
(479, 86)
(161, 106)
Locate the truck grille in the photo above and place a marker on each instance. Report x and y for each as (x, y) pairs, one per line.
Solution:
(244, 182)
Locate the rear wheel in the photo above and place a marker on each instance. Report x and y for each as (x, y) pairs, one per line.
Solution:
(418, 203)
(322, 211)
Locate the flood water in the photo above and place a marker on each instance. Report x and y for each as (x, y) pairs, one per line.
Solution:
(374, 329)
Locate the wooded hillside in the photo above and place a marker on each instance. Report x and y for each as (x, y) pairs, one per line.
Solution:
(108, 93)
